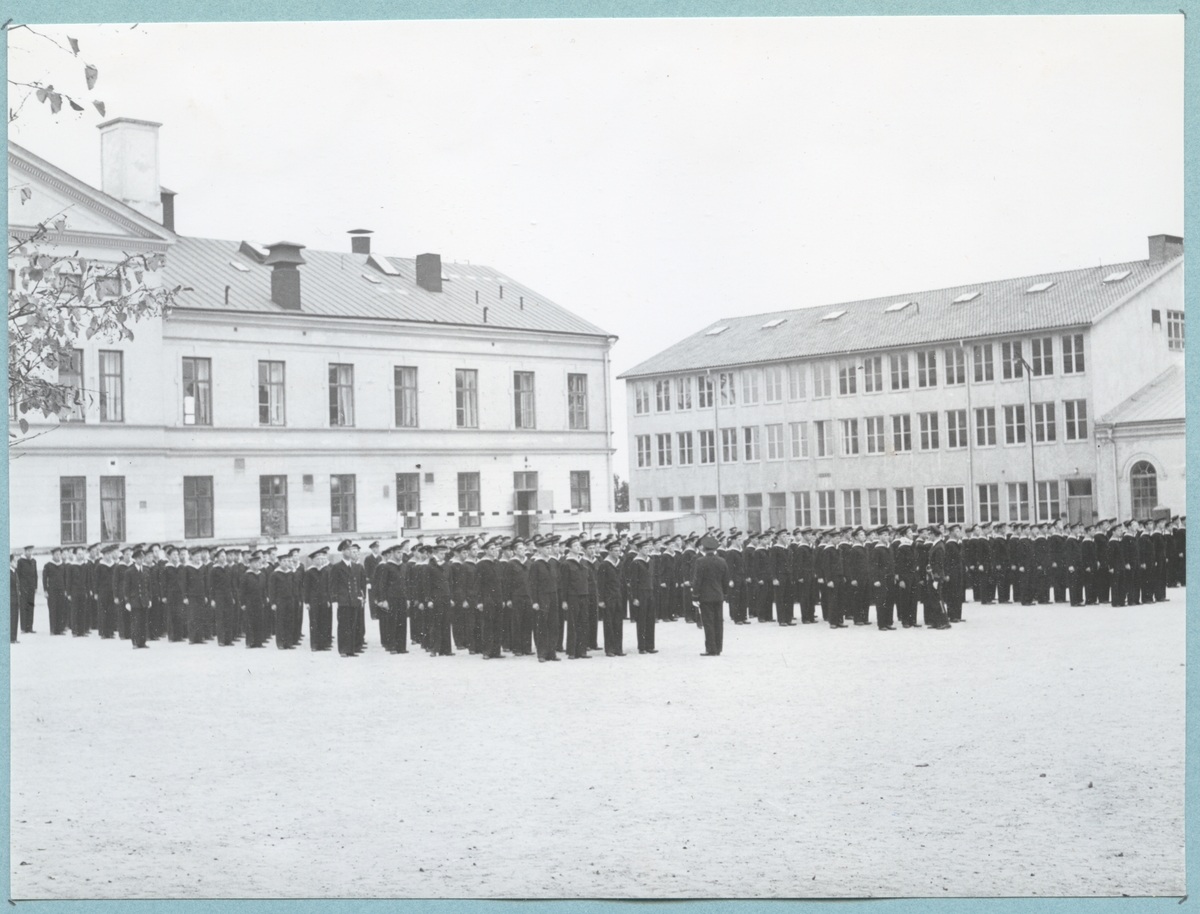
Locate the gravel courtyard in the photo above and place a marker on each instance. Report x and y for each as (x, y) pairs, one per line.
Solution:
(1028, 751)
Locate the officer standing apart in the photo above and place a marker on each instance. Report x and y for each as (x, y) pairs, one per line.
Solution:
(708, 584)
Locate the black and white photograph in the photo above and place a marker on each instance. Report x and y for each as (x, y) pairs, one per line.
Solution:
(394, 348)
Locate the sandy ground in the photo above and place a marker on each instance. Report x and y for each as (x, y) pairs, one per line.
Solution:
(1028, 751)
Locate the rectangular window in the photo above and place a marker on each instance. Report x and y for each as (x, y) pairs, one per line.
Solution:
(524, 415)
(1010, 360)
(750, 440)
(666, 504)
(641, 397)
(686, 455)
(112, 509)
(985, 426)
(197, 391)
(754, 513)
(1175, 330)
(72, 493)
(775, 442)
(905, 506)
(1075, 412)
(777, 509)
(956, 505)
(956, 428)
(197, 507)
(803, 508)
(982, 359)
(1043, 422)
(796, 385)
(1047, 501)
(902, 433)
(877, 506)
(708, 446)
(708, 503)
(826, 508)
(1014, 424)
(852, 506)
(704, 392)
(581, 490)
(408, 500)
(645, 504)
(927, 368)
(799, 432)
(662, 395)
(847, 379)
(687, 502)
(643, 451)
(273, 505)
(849, 437)
(956, 366)
(664, 450)
(989, 503)
(1041, 355)
(1018, 501)
(683, 393)
(405, 380)
(773, 378)
(726, 382)
(822, 380)
(341, 396)
(270, 394)
(466, 398)
(731, 502)
(935, 505)
(577, 402)
(729, 445)
(875, 435)
(468, 500)
(70, 374)
(1072, 349)
(342, 504)
(899, 366)
(824, 430)
(873, 374)
(750, 386)
(929, 431)
(112, 386)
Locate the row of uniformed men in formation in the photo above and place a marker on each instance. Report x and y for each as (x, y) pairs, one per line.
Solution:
(491, 594)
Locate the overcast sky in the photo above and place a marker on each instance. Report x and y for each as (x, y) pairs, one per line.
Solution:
(656, 175)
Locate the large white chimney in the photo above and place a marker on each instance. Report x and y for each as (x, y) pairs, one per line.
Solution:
(129, 164)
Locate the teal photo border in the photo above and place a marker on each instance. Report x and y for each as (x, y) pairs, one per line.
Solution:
(49, 11)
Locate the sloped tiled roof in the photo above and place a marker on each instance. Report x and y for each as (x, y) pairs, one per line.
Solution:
(1163, 399)
(1075, 298)
(335, 285)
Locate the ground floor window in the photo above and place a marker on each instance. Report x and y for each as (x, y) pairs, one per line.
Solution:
(197, 507)
(73, 509)
(1143, 489)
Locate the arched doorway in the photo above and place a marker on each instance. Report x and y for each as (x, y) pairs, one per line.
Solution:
(1143, 489)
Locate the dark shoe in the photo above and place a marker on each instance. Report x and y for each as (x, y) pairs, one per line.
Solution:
(887, 628)
(653, 651)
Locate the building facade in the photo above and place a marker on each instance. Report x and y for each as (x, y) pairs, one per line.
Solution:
(971, 404)
(298, 395)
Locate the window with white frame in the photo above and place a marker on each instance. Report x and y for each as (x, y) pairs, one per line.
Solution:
(641, 397)
(1010, 360)
(826, 508)
(1072, 351)
(524, 415)
(847, 379)
(704, 391)
(404, 382)
(750, 440)
(956, 504)
(935, 505)
(802, 505)
(341, 395)
(581, 490)
(708, 446)
(1018, 501)
(849, 437)
(927, 368)
(873, 374)
(197, 391)
(466, 398)
(1014, 424)
(726, 382)
(852, 506)
(956, 428)
(683, 393)
(1043, 422)
(1041, 356)
(775, 441)
(902, 433)
(750, 388)
(898, 362)
(956, 366)
(577, 403)
(662, 395)
(824, 433)
(796, 381)
(1075, 415)
(929, 431)
(664, 450)
(799, 434)
(645, 504)
(822, 380)
(981, 357)
(985, 426)
(875, 443)
(643, 451)
(729, 445)
(989, 502)
(773, 380)
(686, 454)
(1175, 330)
(1047, 500)
(905, 506)
(877, 506)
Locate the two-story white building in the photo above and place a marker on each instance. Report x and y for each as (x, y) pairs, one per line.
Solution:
(301, 395)
(1041, 397)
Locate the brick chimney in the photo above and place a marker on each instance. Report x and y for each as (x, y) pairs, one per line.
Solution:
(429, 272)
(129, 164)
(284, 260)
(1165, 247)
(360, 241)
